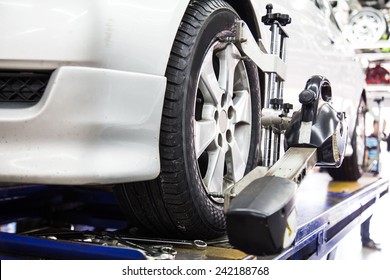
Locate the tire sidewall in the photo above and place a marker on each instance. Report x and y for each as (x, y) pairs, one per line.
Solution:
(220, 20)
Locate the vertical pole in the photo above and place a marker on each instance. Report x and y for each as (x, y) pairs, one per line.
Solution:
(273, 84)
(272, 93)
(379, 136)
(277, 134)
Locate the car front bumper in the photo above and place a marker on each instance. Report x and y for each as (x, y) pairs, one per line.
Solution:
(92, 126)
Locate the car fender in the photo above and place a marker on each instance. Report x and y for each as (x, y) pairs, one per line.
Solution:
(132, 35)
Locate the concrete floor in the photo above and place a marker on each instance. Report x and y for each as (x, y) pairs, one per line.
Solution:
(350, 248)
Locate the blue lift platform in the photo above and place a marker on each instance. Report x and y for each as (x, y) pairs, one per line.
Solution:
(74, 223)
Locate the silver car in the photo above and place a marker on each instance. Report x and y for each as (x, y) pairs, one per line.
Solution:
(142, 95)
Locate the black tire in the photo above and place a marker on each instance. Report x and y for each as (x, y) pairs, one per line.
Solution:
(180, 203)
(352, 167)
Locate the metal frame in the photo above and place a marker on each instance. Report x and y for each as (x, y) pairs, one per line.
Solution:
(25, 247)
(317, 236)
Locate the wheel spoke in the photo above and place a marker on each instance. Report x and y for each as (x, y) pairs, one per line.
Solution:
(223, 130)
(208, 83)
(228, 60)
(243, 107)
(236, 164)
(205, 133)
(215, 171)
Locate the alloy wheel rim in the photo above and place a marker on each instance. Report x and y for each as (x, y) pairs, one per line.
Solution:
(223, 119)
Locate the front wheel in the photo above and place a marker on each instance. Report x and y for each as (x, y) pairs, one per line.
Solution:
(352, 167)
(210, 129)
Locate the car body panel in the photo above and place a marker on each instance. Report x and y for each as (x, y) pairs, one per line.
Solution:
(316, 47)
(103, 130)
(99, 118)
(134, 36)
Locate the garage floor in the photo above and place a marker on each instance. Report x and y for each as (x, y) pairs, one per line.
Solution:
(350, 248)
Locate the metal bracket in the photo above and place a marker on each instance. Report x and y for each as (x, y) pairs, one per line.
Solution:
(293, 166)
(268, 63)
(321, 240)
(275, 118)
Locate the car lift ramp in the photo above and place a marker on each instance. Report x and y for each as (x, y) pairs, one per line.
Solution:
(57, 222)
(329, 210)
